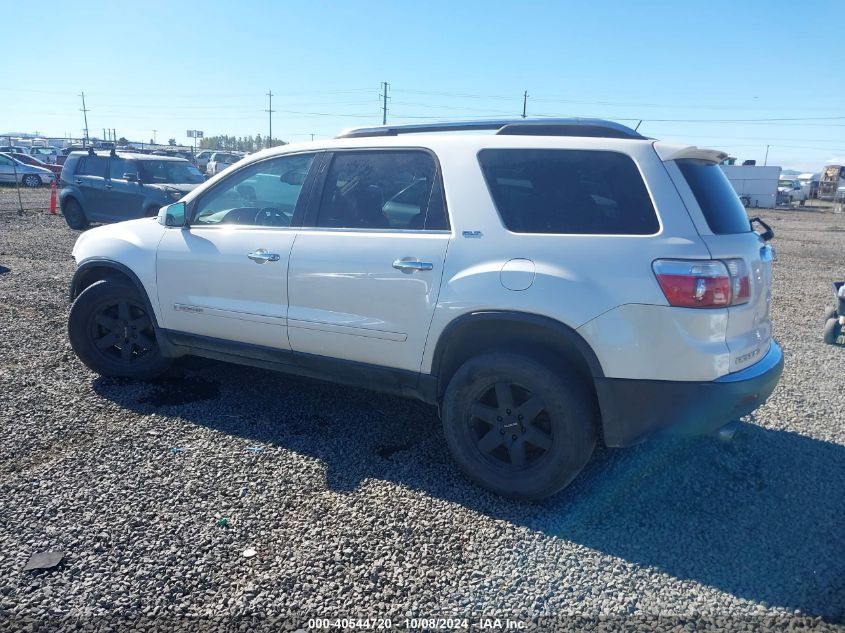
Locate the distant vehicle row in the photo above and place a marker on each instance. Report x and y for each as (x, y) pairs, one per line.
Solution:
(111, 187)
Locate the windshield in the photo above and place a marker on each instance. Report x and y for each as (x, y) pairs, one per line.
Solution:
(786, 183)
(168, 171)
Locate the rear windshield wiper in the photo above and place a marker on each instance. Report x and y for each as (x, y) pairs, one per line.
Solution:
(767, 233)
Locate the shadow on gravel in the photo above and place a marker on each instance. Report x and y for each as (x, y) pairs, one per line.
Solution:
(761, 518)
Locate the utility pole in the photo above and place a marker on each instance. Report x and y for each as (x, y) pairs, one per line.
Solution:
(312, 136)
(385, 85)
(154, 136)
(766, 159)
(270, 111)
(524, 103)
(85, 115)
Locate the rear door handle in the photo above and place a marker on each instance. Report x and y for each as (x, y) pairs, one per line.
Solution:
(79, 181)
(109, 187)
(261, 256)
(410, 265)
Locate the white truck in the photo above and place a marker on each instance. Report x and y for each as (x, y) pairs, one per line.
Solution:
(755, 185)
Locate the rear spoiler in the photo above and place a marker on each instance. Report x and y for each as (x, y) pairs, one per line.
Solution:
(668, 151)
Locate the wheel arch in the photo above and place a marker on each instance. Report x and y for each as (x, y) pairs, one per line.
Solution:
(96, 269)
(537, 335)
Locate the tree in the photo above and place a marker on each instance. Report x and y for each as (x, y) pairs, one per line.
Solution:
(122, 141)
(171, 141)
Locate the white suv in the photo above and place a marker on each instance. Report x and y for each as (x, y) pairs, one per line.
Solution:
(549, 285)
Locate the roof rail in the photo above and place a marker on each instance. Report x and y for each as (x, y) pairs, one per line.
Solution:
(528, 127)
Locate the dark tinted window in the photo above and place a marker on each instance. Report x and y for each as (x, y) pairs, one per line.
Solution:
(382, 190)
(169, 171)
(92, 166)
(120, 166)
(718, 200)
(568, 191)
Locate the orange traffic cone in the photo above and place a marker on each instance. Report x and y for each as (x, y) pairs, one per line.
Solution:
(53, 198)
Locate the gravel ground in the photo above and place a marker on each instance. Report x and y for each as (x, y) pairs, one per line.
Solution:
(354, 508)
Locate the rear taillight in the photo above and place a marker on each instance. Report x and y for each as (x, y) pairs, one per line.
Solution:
(694, 284)
(740, 281)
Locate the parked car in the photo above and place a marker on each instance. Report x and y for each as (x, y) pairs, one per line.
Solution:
(219, 161)
(18, 149)
(202, 158)
(26, 159)
(110, 187)
(27, 175)
(790, 191)
(583, 284)
(44, 154)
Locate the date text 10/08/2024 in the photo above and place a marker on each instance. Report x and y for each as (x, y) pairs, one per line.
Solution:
(437, 624)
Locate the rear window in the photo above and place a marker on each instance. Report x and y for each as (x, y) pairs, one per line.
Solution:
(716, 197)
(568, 192)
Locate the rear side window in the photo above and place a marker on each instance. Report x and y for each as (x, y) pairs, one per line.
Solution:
(377, 189)
(92, 166)
(568, 192)
(716, 197)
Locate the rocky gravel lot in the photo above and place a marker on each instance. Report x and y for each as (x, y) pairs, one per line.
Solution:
(354, 508)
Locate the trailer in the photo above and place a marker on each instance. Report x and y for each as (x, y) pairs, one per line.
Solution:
(832, 180)
(756, 186)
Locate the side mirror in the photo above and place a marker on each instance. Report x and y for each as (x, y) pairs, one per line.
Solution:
(130, 177)
(172, 214)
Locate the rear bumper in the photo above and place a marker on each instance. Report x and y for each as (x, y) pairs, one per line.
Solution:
(633, 410)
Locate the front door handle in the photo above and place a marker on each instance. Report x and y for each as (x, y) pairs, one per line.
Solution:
(410, 265)
(261, 256)
(79, 181)
(109, 187)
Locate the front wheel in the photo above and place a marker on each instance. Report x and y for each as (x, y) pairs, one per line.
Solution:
(517, 426)
(32, 181)
(112, 332)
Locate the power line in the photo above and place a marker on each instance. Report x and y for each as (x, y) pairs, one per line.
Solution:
(385, 85)
(270, 111)
(85, 116)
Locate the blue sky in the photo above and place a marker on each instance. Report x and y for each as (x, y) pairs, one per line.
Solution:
(173, 66)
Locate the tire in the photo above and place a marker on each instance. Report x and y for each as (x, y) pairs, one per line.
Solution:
(544, 452)
(112, 333)
(803, 201)
(829, 313)
(74, 215)
(832, 330)
(31, 180)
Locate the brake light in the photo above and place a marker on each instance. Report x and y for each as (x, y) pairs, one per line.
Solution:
(740, 281)
(694, 284)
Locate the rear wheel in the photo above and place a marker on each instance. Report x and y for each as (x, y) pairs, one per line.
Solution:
(829, 313)
(518, 427)
(31, 181)
(74, 215)
(112, 332)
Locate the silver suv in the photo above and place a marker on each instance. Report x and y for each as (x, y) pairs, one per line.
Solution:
(547, 286)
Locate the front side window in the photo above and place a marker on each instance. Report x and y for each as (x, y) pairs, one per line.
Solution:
(119, 167)
(263, 194)
(92, 166)
(568, 192)
(382, 190)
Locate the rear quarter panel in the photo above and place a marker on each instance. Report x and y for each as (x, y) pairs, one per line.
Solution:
(577, 277)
